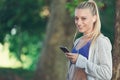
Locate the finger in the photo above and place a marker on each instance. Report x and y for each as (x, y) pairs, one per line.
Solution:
(69, 57)
(69, 54)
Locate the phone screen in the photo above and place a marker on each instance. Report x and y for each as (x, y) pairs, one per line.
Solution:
(64, 49)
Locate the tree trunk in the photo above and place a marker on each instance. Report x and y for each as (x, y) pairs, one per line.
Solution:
(116, 47)
(52, 64)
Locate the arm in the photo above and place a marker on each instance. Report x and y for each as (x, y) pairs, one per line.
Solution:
(103, 70)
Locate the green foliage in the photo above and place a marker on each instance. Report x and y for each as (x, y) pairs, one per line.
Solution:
(26, 48)
(107, 15)
(22, 26)
(71, 6)
(23, 14)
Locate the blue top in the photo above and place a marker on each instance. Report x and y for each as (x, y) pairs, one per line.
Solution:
(83, 50)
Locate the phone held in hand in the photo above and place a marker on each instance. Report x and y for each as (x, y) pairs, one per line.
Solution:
(64, 49)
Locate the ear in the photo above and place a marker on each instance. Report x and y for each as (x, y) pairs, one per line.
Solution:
(94, 18)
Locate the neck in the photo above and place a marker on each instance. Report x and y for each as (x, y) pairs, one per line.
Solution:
(88, 35)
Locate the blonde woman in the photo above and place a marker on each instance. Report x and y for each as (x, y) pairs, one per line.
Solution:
(92, 52)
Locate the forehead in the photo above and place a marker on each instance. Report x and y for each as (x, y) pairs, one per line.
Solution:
(83, 12)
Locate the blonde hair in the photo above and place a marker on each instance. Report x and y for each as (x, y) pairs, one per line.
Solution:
(94, 10)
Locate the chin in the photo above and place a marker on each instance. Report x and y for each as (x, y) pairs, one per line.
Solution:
(81, 31)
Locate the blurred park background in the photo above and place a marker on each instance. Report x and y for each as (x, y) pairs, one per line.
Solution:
(31, 32)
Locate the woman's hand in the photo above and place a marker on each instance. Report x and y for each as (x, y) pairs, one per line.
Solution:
(72, 57)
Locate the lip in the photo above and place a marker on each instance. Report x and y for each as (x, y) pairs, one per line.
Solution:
(79, 27)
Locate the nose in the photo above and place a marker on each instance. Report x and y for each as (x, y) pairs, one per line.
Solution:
(78, 22)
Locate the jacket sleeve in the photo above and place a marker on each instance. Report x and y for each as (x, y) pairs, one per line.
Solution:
(103, 69)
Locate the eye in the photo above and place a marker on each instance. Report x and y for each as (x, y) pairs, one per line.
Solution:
(76, 18)
(83, 18)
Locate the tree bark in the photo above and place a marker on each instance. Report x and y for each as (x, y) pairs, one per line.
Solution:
(116, 47)
(52, 64)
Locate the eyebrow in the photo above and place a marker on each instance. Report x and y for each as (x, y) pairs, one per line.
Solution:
(80, 16)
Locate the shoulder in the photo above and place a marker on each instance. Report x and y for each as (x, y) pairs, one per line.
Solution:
(102, 38)
(104, 41)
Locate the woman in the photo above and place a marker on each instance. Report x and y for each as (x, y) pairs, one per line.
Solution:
(92, 51)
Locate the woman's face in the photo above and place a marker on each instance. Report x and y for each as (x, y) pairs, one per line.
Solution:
(84, 20)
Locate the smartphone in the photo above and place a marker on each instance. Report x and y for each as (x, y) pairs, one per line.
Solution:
(64, 49)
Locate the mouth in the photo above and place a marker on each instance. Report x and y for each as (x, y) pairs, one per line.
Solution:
(79, 27)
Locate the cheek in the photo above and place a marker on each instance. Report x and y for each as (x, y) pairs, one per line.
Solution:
(89, 22)
(88, 25)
